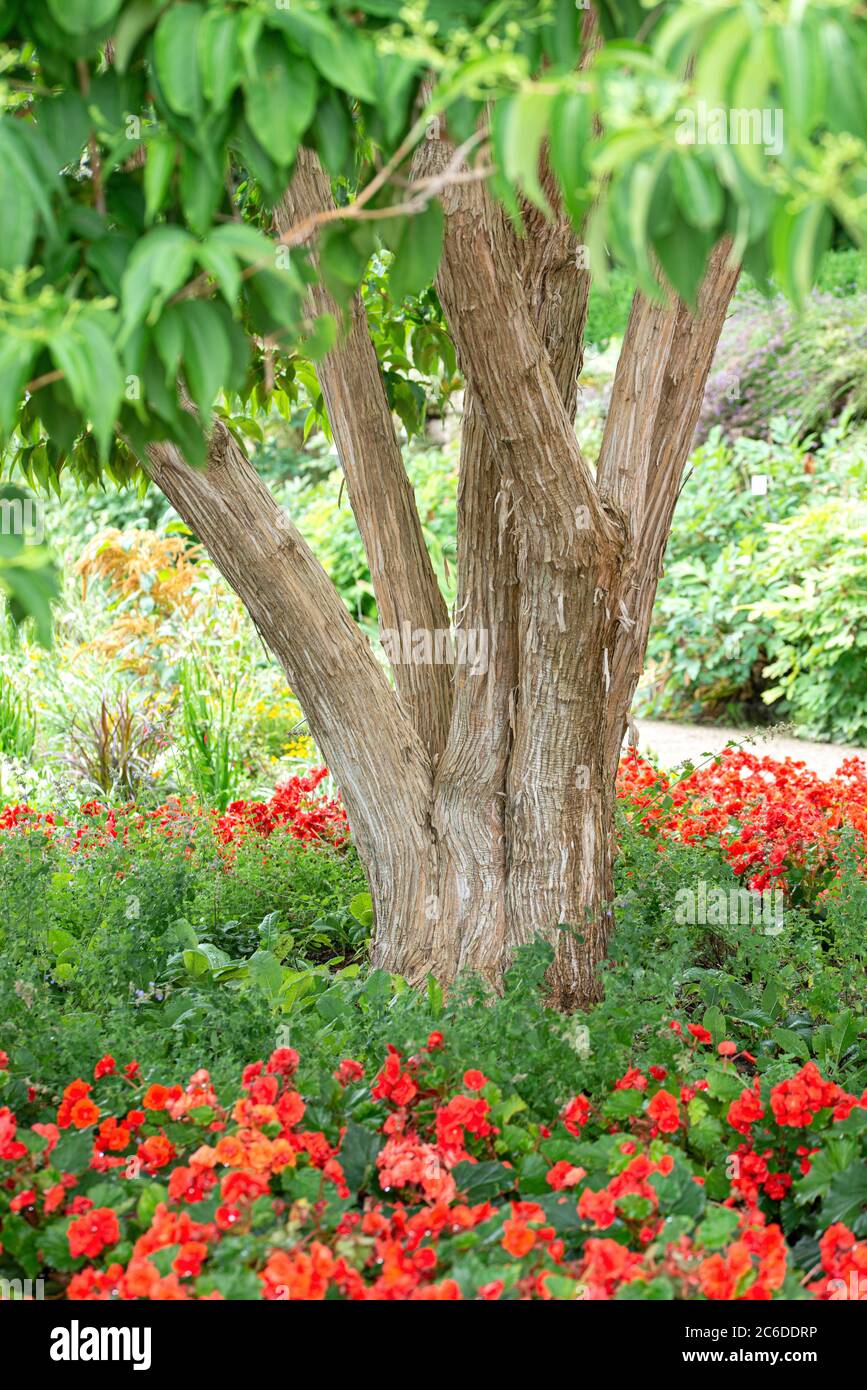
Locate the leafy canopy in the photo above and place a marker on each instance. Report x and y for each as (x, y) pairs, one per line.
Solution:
(144, 145)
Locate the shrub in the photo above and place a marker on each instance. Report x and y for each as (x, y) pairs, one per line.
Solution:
(842, 272)
(776, 822)
(732, 600)
(813, 575)
(95, 907)
(208, 745)
(772, 361)
(114, 750)
(608, 307)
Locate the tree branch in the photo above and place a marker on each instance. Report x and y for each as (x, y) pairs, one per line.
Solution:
(554, 495)
(354, 716)
(380, 493)
(674, 410)
(626, 455)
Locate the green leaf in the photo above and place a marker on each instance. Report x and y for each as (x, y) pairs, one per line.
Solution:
(344, 251)
(176, 58)
(184, 933)
(87, 356)
(321, 338)
(678, 1194)
(434, 996)
(219, 56)
(150, 1198)
(718, 60)
(346, 58)
(480, 1181)
(715, 1023)
(332, 134)
(570, 138)
(361, 907)
(83, 16)
(238, 1284)
(169, 339)
(61, 940)
(16, 360)
(717, 1228)
(31, 584)
(697, 190)
(244, 242)
(266, 973)
(563, 1216)
(416, 242)
(281, 98)
(20, 146)
(136, 20)
(518, 142)
(18, 223)
(196, 962)
(639, 189)
(217, 259)
(845, 104)
(683, 254)
(161, 156)
(798, 243)
(802, 76)
(791, 1042)
(64, 121)
(258, 162)
(563, 39)
(107, 257)
(54, 1244)
(620, 1104)
(275, 302)
(73, 1152)
(202, 189)
(847, 1197)
(20, 1241)
(358, 1155)
(157, 267)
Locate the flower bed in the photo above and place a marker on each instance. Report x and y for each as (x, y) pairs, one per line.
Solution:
(501, 1157)
(295, 809)
(777, 823)
(422, 1181)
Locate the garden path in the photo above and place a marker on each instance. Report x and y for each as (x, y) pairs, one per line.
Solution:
(673, 742)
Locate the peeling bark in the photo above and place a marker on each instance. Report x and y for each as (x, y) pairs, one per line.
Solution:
(567, 552)
(380, 493)
(671, 412)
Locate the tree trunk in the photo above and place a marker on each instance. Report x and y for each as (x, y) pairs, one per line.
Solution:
(481, 799)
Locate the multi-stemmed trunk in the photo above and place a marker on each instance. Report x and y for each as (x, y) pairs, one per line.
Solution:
(480, 792)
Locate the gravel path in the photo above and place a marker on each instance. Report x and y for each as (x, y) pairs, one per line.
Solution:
(672, 743)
